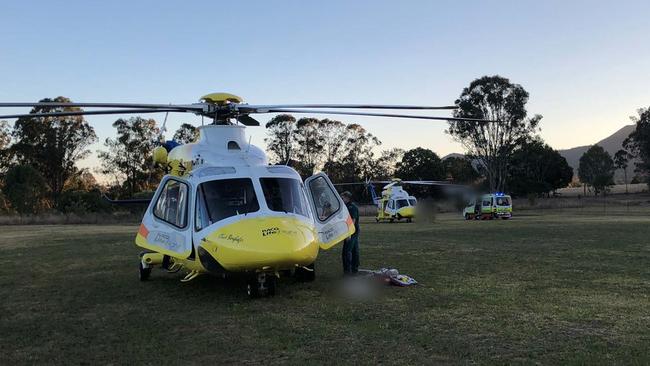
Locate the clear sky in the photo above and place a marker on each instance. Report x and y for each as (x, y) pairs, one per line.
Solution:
(586, 64)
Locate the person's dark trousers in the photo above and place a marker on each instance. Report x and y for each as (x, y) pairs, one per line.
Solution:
(350, 255)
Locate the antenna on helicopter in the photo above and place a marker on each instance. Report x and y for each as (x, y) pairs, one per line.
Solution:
(163, 128)
(290, 150)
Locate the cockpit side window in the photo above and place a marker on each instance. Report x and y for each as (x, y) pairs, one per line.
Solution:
(202, 219)
(220, 199)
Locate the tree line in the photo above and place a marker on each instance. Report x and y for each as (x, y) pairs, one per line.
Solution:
(503, 153)
(349, 153)
(39, 155)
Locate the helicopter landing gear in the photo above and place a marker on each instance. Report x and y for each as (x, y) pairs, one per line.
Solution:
(148, 260)
(305, 274)
(261, 284)
(144, 272)
(409, 220)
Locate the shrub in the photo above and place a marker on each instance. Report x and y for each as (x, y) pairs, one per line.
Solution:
(81, 202)
(26, 190)
(532, 199)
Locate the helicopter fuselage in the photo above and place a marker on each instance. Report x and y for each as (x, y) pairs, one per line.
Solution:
(395, 204)
(222, 208)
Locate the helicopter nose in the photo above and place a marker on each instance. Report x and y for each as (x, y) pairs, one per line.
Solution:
(407, 212)
(263, 243)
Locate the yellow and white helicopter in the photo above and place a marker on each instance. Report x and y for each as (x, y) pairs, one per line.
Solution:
(395, 203)
(222, 208)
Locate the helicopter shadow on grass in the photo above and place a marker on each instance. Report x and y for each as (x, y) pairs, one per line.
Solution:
(209, 287)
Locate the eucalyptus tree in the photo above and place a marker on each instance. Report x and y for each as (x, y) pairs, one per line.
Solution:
(493, 98)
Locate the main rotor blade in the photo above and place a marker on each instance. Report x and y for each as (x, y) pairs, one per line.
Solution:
(133, 201)
(308, 111)
(82, 113)
(104, 105)
(350, 184)
(247, 120)
(428, 183)
(263, 108)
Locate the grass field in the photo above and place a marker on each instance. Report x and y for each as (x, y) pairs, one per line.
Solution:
(557, 288)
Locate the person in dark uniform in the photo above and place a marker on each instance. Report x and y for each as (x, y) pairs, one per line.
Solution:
(350, 253)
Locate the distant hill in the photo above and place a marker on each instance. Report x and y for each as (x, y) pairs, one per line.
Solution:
(611, 144)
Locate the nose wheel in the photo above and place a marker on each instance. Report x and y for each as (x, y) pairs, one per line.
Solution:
(261, 285)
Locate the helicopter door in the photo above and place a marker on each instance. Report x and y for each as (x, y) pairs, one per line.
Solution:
(333, 221)
(165, 226)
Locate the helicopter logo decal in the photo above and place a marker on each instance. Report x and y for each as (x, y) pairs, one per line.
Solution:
(165, 240)
(270, 231)
(233, 238)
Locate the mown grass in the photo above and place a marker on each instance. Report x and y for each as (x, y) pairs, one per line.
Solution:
(557, 288)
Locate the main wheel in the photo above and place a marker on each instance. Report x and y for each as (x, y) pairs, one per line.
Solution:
(271, 282)
(144, 272)
(252, 288)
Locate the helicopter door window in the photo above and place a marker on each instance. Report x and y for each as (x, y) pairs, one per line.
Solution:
(325, 199)
(171, 206)
(225, 198)
(284, 195)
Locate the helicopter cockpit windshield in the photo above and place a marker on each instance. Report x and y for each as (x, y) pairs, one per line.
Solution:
(219, 199)
(284, 195)
(402, 203)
